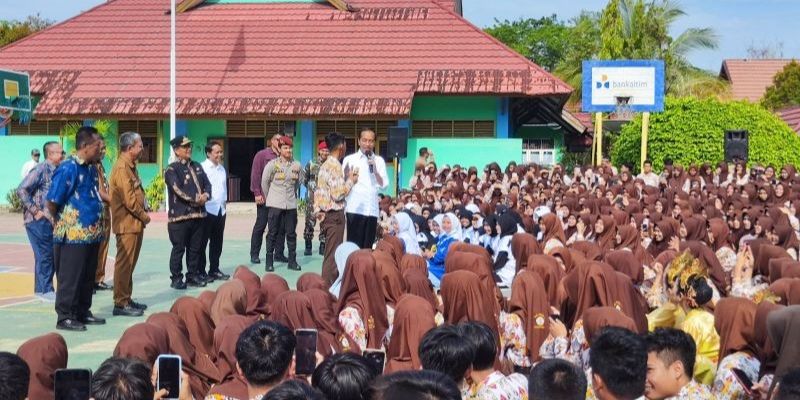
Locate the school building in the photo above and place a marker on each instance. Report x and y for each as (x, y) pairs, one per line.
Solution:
(249, 68)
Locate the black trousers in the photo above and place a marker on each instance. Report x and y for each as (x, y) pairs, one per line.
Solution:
(75, 265)
(186, 237)
(214, 226)
(282, 222)
(361, 230)
(257, 238)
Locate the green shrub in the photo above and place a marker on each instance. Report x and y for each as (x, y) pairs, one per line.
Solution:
(155, 192)
(13, 200)
(691, 131)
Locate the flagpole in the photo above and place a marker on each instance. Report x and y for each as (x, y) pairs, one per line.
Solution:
(172, 98)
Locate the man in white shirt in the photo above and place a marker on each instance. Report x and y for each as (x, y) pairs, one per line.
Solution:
(647, 175)
(214, 225)
(362, 202)
(30, 164)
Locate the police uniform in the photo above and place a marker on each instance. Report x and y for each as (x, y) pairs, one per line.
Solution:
(186, 182)
(311, 173)
(280, 183)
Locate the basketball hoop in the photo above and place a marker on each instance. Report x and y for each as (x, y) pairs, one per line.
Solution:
(623, 110)
(5, 116)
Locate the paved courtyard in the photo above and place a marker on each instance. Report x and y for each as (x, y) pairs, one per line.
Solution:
(23, 316)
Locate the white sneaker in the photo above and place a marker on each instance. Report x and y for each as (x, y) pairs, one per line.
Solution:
(49, 297)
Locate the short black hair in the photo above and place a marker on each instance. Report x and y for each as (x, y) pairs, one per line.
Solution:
(210, 146)
(122, 379)
(702, 291)
(86, 135)
(648, 161)
(443, 349)
(789, 387)
(668, 162)
(366, 129)
(46, 145)
(484, 342)
(619, 357)
(556, 379)
(672, 345)
(344, 376)
(293, 389)
(333, 140)
(423, 151)
(264, 352)
(14, 376)
(415, 385)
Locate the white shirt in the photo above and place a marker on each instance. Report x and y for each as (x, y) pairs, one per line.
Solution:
(650, 179)
(508, 271)
(363, 197)
(219, 187)
(27, 167)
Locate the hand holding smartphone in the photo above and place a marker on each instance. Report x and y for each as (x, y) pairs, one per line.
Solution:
(744, 380)
(305, 352)
(169, 375)
(73, 384)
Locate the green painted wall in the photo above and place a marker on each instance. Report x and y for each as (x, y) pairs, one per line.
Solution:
(17, 151)
(454, 108)
(199, 131)
(545, 133)
(466, 152)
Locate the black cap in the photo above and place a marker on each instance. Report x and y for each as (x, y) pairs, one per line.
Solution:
(35, 152)
(179, 141)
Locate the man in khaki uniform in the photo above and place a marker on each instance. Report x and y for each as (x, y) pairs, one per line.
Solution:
(280, 183)
(128, 219)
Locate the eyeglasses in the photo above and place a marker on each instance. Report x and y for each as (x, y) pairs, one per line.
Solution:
(186, 146)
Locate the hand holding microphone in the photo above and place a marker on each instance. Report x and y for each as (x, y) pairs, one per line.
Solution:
(371, 162)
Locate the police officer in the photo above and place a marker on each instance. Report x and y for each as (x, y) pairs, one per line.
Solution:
(311, 171)
(188, 190)
(280, 183)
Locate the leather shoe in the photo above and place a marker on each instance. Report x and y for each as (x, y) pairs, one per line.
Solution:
(206, 278)
(179, 285)
(102, 286)
(195, 283)
(138, 305)
(279, 257)
(219, 275)
(127, 311)
(90, 319)
(70, 325)
(255, 260)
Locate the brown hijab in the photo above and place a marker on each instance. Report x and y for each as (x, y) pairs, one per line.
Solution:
(551, 274)
(597, 318)
(144, 342)
(529, 301)
(413, 262)
(566, 257)
(293, 310)
(709, 258)
(207, 298)
(591, 251)
(607, 238)
(695, 228)
(766, 253)
(256, 303)
(358, 291)
(464, 299)
(553, 229)
(311, 280)
(412, 319)
(392, 245)
(198, 323)
(766, 351)
(783, 327)
(734, 319)
(226, 335)
(420, 285)
(479, 265)
(721, 232)
(44, 355)
(322, 302)
(783, 268)
(201, 370)
(523, 245)
(231, 300)
(392, 282)
(271, 286)
(626, 262)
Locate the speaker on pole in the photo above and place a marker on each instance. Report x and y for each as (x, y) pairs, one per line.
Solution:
(398, 142)
(736, 146)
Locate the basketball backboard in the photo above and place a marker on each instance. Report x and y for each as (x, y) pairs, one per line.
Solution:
(16, 91)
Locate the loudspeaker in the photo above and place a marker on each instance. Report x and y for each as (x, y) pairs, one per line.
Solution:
(736, 145)
(398, 142)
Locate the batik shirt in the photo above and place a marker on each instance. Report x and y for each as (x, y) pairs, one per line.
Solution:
(221, 397)
(332, 187)
(34, 188)
(514, 339)
(498, 387)
(574, 349)
(726, 386)
(693, 391)
(80, 209)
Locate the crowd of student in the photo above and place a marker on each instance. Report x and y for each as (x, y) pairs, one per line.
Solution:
(526, 282)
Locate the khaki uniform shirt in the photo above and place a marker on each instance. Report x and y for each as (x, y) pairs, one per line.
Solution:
(128, 213)
(280, 183)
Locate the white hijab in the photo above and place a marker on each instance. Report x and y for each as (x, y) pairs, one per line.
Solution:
(407, 233)
(340, 256)
(455, 227)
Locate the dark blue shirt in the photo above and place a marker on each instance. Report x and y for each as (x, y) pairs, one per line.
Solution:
(80, 209)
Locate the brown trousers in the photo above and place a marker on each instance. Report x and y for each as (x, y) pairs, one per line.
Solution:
(128, 247)
(102, 251)
(332, 227)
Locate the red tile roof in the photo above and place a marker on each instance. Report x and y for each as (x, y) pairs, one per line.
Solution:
(281, 60)
(791, 116)
(750, 78)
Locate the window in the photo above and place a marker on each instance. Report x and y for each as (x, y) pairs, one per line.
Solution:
(148, 130)
(453, 129)
(254, 128)
(38, 127)
(351, 129)
(538, 151)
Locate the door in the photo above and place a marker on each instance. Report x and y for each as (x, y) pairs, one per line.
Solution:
(239, 158)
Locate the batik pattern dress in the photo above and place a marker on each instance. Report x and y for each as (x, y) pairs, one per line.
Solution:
(726, 386)
(514, 339)
(497, 386)
(353, 328)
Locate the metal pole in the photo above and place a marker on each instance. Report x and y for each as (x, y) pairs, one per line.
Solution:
(598, 131)
(645, 131)
(172, 98)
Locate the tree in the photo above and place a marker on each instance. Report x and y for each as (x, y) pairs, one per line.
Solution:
(785, 89)
(543, 40)
(11, 31)
(765, 51)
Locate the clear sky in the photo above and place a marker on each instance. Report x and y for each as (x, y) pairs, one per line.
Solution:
(739, 23)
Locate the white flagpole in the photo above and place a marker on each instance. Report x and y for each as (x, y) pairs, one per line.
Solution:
(172, 98)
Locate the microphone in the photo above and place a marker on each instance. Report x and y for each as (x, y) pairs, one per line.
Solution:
(371, 166)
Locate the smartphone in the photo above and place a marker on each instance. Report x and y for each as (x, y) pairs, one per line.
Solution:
(169, 375)
(376, 358)
(305, 352)
(73, 384)
(744, 380)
